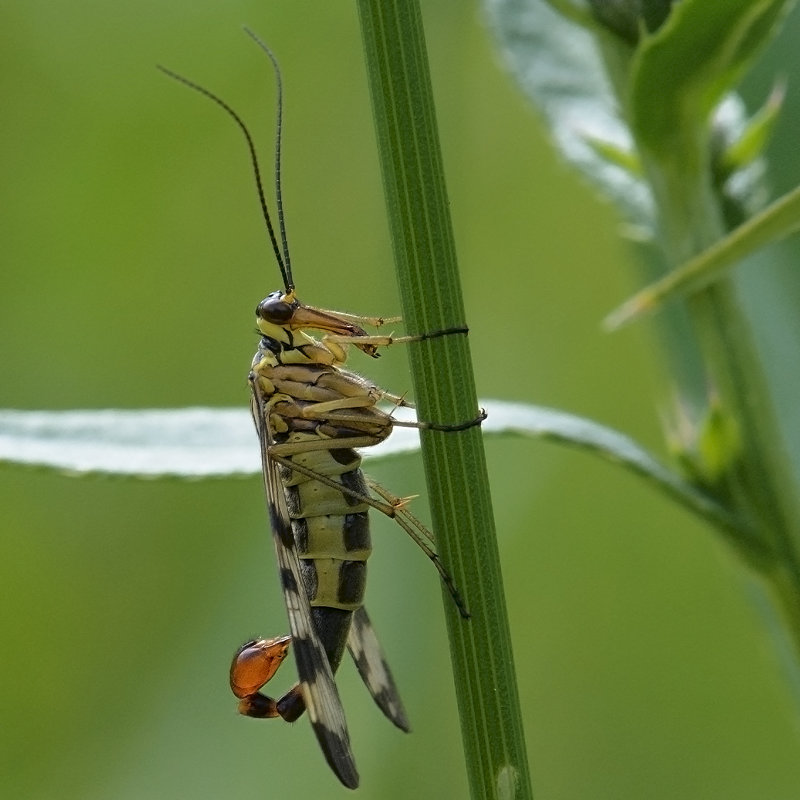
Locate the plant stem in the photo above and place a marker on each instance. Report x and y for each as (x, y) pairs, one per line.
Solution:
(756, 482)
(424, 250)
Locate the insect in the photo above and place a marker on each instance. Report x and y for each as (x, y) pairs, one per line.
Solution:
(310, 415)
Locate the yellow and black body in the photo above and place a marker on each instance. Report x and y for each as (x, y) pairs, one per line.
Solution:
(310, 414)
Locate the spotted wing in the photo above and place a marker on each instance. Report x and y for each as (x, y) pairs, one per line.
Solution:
(316, 678)
(374, 670)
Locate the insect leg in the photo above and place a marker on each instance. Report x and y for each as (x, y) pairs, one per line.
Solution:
(421, 535)
(370, 344)
(443, 426)
(323, 410)
(361, 321)
(385, 340)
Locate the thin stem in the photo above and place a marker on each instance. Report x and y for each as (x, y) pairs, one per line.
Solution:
(756, 483)
(424, 249)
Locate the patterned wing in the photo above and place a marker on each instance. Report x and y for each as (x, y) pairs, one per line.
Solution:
(374, 670)
(316, 678)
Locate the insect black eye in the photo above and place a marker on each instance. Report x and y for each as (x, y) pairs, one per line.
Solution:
(273, 308)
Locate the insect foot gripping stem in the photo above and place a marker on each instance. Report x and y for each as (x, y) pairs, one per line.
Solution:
(443, 426)
(458, 426)
(435, 426)
(255, 663)
(421, 337)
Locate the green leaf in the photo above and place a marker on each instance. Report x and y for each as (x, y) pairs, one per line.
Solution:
(194, 443)
(683, 70)
(666, 88)
(149, 443)
(559, 68)
(751, 142)
(775, 222)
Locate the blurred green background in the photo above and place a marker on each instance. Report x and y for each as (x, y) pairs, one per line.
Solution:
(133, 259)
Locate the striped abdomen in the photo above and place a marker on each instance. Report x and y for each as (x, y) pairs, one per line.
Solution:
(331, 531)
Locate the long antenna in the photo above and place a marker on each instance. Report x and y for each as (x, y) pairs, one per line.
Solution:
(282, 264)
(278, 133)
